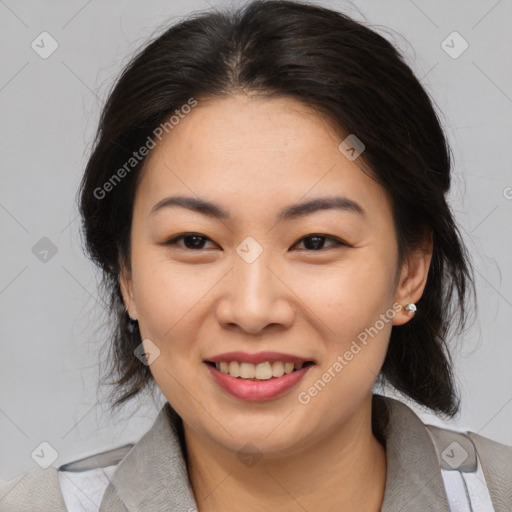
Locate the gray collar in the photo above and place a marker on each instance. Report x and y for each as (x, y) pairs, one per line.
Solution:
(153, 475)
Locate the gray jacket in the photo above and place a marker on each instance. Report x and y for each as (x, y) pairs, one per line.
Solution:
(152, 474)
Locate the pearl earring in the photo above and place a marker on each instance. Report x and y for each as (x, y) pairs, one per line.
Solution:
(411, 308)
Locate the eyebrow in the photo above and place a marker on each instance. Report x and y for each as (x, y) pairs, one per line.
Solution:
(288, 213)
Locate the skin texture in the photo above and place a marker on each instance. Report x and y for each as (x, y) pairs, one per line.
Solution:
(254, 156)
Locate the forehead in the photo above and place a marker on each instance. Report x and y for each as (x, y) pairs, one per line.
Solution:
(255, 153)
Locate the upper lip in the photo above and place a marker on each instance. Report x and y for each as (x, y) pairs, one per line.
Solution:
(259, 357)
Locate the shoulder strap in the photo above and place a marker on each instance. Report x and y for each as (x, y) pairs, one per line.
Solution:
(464, 480)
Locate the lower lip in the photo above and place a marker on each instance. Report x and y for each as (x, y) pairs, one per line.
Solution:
(257, 390)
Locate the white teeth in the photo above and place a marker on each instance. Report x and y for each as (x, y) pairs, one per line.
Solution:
(288, 367)
(261, 371)
(277, 369)
(247, 370)
(234, 369)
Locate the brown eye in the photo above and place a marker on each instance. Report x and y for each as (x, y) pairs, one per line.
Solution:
(315, 242)
(196, 242)
(191, 241)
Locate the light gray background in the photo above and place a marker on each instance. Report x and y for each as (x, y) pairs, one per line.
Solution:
(50, 343)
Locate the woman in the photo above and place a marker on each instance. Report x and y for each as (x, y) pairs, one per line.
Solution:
(267, 201)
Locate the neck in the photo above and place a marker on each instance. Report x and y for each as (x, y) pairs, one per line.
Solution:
(344, 471)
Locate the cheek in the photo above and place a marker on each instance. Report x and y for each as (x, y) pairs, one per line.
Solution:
(352, 307)
(350, 294)
(174, 304)
(165, 290)
(169, 302)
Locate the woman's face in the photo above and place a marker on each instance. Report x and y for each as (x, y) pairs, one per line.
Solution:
(317, 284)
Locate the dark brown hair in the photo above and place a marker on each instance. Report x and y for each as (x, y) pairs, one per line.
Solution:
(342, 69)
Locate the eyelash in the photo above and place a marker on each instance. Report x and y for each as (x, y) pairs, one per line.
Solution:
(176, 239)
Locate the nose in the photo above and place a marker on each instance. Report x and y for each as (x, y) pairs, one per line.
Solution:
(255, 297)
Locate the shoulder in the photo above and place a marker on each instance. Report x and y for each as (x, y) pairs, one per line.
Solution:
(77, 485)
(496, 459)
(479, 462)
(37, 487)
(462, 448)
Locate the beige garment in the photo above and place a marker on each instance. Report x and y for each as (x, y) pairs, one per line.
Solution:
(152, 475)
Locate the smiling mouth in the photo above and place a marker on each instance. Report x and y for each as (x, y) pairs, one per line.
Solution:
(261, 371)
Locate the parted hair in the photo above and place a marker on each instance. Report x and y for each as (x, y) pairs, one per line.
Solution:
(344, 70)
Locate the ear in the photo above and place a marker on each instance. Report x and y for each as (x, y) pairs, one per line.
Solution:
(125, 283)
(413, 278)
